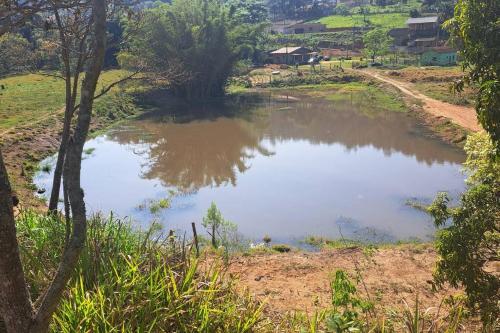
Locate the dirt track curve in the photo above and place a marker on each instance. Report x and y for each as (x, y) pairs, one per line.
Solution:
(460, 115)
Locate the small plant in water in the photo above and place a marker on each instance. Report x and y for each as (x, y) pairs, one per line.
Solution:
(282, 248)
(267, 240)
(88, 151)
(158, 205)
(46, 168)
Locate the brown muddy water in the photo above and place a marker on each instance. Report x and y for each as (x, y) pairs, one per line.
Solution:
(287, 165)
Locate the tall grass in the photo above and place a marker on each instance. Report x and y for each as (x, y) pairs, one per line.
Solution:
(130, 281)
(133, 281)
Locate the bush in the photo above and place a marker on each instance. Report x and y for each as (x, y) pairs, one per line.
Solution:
(468, 246)
(347, 307)
(282, 248)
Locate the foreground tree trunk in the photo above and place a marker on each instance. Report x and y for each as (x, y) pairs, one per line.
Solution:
(67, 41)
(17, 311)
(72, 167)
(15, 304)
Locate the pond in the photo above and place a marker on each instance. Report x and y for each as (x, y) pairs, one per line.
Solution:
(284, 164)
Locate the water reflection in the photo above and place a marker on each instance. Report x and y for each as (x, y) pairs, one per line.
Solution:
(190, 154)
(284, 165)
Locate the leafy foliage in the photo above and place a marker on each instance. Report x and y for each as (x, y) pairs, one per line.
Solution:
(12, 46)
(377, 42)
(192, 46)
(248, 11)
(347, 306)
(221, 231)
(476, 31)
(471, 243)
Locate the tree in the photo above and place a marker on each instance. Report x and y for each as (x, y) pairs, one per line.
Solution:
(469, 246)
(414, 13)
(444, 8)
(191, 46)
(71, 27)
(377, 42)
(341, 9)
(11, 46)
(475, 31)
(248, 11)
(15, 13)
(17, 310)
(219, 229)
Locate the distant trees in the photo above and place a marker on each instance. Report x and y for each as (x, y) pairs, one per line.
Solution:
(299, 9)
(444, 8)
(191, 46)
(377, 42)
(341, 9)
(414, 13)
(475, 31)
(11, 47)
(248, 11)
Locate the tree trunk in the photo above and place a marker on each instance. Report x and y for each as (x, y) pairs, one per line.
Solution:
(68, 112)
(71, 174)
(15, 303)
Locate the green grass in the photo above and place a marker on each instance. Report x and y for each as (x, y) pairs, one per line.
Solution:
(131, 281)
(33, 97)
(327, 243)
(369, 98)
(383, 20)
(442, 91)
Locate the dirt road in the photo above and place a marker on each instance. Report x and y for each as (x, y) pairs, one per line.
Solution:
(460, 115)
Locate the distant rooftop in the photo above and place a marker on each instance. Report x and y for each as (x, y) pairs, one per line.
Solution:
(426, 19)
(443, 49)
(287, 50)
(306, 24)
(427, 39)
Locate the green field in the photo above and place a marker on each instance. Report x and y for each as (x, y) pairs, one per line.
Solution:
(383, 20)
(32, 97)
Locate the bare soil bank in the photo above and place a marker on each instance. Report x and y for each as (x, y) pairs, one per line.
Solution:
(389, 276)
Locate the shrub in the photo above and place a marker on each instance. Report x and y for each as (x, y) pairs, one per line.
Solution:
(347, 307)
(221, 231)
(469, 244)
(282, 248)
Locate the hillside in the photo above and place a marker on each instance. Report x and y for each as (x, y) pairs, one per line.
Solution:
(383, 20)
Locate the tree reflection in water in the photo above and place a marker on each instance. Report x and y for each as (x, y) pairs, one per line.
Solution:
(188, 151)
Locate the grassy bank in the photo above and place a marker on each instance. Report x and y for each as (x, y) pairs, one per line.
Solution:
(436, 82)
(383, 20)
(132, 281)
(136, 281)
(31, 98)
(31, 115)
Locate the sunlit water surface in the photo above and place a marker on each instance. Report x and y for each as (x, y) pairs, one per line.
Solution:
(285, 165)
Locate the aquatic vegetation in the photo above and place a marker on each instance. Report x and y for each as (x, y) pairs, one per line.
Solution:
(88, 151)
(282, 248)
